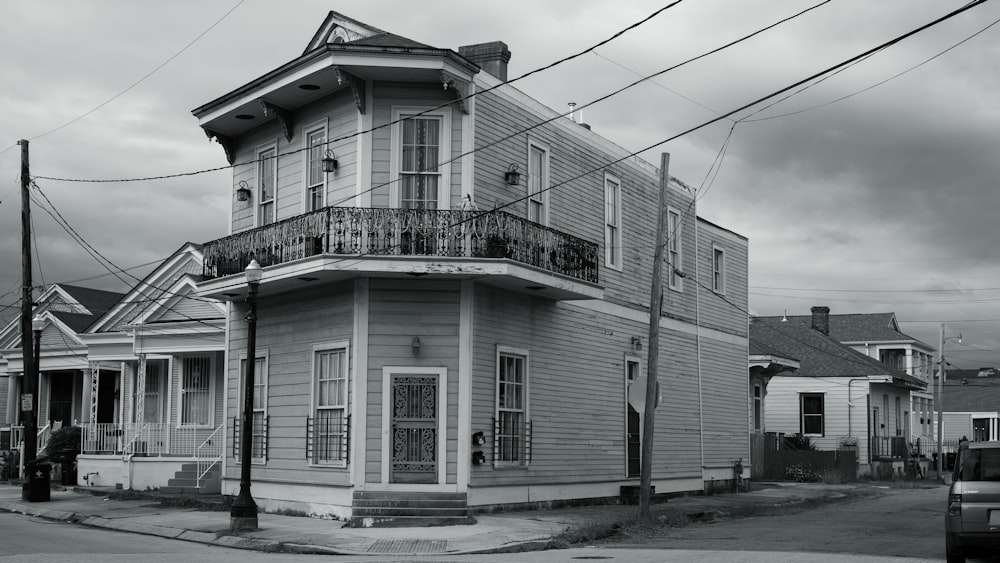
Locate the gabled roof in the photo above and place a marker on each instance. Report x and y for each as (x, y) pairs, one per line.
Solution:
(862, 327)
(819, 355)
(97, 301)
(972, 395)
(338, 28)
(156, 287)
(76, 307)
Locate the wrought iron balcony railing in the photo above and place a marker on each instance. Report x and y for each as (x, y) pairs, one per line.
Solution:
(404, 232)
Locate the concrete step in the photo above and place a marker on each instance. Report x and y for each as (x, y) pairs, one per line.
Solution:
(391, 509)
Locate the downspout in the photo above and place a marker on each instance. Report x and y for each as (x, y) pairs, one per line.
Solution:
(850, 404)
(697, 333)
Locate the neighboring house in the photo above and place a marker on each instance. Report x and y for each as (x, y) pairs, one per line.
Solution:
(877, 335)
(64, 381)
(765, 362)
(838, 397)
(971, 406)
(409, 341)
(161, 349)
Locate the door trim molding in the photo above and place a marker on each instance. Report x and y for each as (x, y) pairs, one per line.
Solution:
(442, 416)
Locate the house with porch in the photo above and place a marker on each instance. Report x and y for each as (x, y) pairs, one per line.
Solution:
(877, 335)
(162, 348)
(838, 397)
(454, 296)
(64, 379)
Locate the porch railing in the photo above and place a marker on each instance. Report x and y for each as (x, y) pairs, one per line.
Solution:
(889, 447)
(142, 439)
(404, 232)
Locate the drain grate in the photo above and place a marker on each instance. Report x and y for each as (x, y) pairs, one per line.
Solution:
(408, 546)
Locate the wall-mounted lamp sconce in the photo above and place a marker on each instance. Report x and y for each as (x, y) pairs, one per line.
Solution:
(329, 162)
(415, 346)
(478, 439)
(636, 343)
(243, 192)
(478, 458)
(512, 176)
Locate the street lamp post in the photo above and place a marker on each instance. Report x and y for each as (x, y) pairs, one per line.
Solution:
(939, 402)
(243, 515)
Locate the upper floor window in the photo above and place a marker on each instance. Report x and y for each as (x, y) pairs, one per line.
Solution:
(267, 184)
(419, 173)
(612, 222)
(718, 270)
(538, 183)
(674, 249)
(315, 177)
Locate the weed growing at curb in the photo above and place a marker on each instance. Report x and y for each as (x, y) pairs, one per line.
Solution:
(613, 527)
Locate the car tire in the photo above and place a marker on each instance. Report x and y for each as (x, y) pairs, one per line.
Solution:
(952, 553)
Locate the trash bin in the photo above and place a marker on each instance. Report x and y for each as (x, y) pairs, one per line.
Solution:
(37, 481)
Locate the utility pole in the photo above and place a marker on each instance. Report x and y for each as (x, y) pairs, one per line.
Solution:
(938, 404)
(29, 390)
(655, 304)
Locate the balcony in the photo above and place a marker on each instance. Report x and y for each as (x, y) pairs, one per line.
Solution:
(339, 242)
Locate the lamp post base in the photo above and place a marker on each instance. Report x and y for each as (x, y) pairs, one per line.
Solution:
(243, 514)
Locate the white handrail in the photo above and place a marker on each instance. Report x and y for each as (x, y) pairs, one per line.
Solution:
(209, 453)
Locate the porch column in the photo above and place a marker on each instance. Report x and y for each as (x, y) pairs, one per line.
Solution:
(140, 391)
(12, 394)
(95, 379)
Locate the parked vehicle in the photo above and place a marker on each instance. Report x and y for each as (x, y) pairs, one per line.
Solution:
(972, 523)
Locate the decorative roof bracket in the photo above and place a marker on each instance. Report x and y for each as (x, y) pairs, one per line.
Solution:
(356, 85)
(284, 117)
(458, 87)
(226, 142)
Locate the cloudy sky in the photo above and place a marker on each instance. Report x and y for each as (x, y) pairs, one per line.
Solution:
(871, 191)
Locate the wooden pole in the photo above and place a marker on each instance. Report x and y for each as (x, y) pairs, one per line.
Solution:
(29, 389)
(655, 304)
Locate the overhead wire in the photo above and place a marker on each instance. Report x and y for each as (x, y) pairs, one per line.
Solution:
(391, 122)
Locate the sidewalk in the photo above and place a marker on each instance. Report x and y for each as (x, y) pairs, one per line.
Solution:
(492, 533)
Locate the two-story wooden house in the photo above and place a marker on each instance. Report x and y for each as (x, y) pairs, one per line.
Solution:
(455, 290)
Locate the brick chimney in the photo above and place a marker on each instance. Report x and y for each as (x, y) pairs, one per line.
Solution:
(491, 57)
(821, 319)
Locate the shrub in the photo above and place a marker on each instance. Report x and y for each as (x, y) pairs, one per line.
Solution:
(64, 444)
(802, 474)
(798, 442)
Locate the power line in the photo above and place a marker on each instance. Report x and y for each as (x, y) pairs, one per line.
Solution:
(390, 123)
(141, 80)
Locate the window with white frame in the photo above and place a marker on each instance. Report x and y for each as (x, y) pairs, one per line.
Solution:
(511, 440)
(196, 391)
(420, 154)
(674, 249)
(612, 222)
(718, 270)
(329, 428)
(267, 184)
(538, 182)
(315, 177)
(811, 414)
(258, 425)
